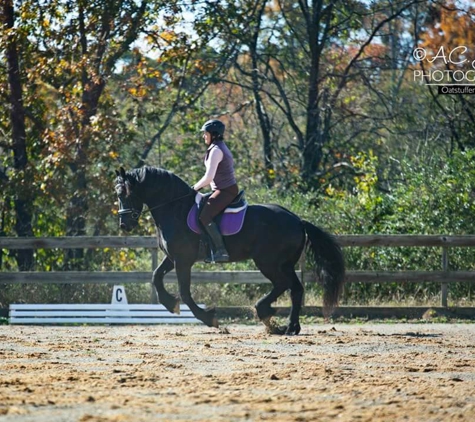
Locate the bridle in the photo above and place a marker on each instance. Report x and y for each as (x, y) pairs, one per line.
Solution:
(135, 214)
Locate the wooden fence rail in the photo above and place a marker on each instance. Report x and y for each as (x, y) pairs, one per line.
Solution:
(442, 276)
(150, 242)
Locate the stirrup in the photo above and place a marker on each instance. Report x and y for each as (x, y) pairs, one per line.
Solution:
(214, 258)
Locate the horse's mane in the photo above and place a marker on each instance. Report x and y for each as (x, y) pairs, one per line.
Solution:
(153, 177)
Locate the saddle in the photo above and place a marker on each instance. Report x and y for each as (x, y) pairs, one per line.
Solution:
(229, 221)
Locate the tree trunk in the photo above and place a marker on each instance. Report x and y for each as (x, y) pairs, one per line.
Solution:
(78, 204)
(311, 154)
(102, 51)
(317, 134)
(23, 199)
(260, 108)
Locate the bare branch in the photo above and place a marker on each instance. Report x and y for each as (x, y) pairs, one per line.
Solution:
(289, 22)
(129, 38)
(374, 32)
(238, 108)
(288, 108)
(178, 106)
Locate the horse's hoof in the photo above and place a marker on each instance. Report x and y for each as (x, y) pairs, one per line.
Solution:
(209, 318)
(171, 303)
(292, 329)
(212, 323)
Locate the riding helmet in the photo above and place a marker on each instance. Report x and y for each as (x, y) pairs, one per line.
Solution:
(214, 126)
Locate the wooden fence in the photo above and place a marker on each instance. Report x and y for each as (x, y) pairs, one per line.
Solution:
(442, 276)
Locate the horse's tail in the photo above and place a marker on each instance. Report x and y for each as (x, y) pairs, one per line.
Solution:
(329, 264)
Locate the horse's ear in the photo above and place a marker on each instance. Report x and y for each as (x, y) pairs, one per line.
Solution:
(117, 173)
(122, 172)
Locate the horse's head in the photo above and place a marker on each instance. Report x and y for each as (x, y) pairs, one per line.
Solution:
(130, 205)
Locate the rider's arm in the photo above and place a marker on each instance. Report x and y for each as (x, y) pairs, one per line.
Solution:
(214, 158)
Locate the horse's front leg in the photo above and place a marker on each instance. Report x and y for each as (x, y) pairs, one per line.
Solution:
(170, 302)
(183, 272)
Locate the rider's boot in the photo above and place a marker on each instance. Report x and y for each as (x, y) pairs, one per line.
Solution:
(218, 252)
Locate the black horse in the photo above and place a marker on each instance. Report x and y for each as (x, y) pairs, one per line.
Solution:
(271, 236)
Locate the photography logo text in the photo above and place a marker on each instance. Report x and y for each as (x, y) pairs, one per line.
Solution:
(451, 70)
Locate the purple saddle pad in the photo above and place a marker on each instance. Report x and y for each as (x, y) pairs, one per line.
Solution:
(229, 223)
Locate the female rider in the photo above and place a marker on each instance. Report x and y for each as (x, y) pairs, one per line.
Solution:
(220, 175)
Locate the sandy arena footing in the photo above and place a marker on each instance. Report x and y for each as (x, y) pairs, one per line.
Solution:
(367, 372)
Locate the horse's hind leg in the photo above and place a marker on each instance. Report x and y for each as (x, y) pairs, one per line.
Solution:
(281, 283)
(166, 299)
(296, 295)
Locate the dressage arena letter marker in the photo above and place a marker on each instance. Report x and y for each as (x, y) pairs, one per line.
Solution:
(118, 296)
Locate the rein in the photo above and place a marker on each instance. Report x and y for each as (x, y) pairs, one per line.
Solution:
(136, 214)
(169, 202)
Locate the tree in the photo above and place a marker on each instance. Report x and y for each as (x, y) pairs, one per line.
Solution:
(448, 39)
(18, 145)
(173, 83)
(251, 38)
(79, 45)
(300, 59)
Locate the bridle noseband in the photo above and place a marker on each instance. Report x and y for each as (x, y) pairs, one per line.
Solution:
(135, 215)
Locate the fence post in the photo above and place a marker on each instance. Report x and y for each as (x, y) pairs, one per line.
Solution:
(444, 285)
(153, 292)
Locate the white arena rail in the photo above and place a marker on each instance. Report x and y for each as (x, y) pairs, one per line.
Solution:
(97, 314)
(117, 312)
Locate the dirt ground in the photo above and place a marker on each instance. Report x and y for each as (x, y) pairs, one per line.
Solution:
(366, 372)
